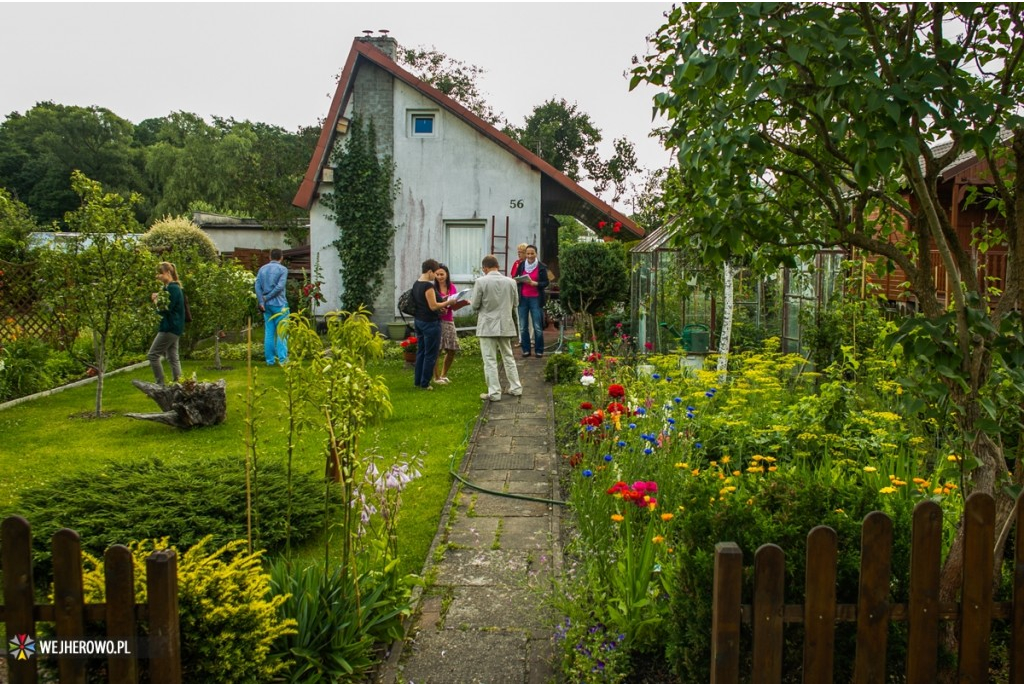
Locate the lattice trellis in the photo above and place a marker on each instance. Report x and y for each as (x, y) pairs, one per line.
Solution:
(21, 314)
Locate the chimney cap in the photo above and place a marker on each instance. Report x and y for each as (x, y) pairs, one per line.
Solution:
(384, 32)
(368, 32)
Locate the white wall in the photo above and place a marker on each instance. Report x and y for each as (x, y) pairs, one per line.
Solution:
(227, 239)
(457, 175)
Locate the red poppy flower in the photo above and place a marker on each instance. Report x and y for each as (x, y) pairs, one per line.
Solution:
(615, 407)
(586, 405)
(617, 226)
(616, 390)
(602, 224)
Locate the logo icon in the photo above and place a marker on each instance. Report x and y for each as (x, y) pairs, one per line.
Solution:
(23, 647)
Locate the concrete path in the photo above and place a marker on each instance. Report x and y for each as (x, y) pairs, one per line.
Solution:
(481, 617)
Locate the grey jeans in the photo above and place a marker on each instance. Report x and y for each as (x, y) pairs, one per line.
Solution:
(165, 344)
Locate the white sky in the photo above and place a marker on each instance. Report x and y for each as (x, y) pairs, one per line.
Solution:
(276, 63)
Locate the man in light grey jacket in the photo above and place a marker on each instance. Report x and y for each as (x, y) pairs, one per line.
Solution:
(495, 300)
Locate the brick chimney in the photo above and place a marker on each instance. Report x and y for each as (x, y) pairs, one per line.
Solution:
(384, 43)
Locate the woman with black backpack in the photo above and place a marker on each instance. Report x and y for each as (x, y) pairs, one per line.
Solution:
(427, 323)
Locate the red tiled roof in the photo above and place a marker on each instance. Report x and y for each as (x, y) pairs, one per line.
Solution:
(361, 50)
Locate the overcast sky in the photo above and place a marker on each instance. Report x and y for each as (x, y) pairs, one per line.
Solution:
(276, 63)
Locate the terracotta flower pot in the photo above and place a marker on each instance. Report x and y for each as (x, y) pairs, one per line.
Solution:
(410, 357)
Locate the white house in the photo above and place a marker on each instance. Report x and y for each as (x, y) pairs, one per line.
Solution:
(467, 189)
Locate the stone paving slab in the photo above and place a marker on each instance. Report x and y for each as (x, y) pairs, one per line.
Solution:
(491, 505)
(527, 532)
(467, 656)
(498, 608)
(476, 532)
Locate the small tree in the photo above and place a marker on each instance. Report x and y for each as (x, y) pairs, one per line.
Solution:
(593, 277)
(219, 295)
(100, 278)
(16, 223)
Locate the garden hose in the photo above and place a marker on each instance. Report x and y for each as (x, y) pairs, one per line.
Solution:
(511, 495)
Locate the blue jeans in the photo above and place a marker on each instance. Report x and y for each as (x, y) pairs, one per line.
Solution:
(274, 344)
(428, 344)
(531, 306)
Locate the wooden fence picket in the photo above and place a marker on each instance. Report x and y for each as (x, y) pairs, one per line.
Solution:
(923, 609)
(769, 605)
(873, 598)
(874, 610)
(820, 604)
(69, 611)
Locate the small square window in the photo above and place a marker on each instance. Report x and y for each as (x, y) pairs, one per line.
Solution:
(423, 124)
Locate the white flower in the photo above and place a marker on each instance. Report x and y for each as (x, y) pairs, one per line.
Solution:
(588, 380)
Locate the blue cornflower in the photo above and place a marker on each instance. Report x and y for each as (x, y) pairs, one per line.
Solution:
(622, 443)
(632, 425)
(648, 450)
(677, 400)
(671, 420)
(607, 457)
(641, 411)
(587, 473)
(698, 445)
(690, 414)
(690, 407)
(590, 429)
(655, 376)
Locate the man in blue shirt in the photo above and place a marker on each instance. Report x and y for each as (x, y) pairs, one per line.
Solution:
(270, 283)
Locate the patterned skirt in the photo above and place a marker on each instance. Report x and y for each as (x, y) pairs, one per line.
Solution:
(449, 339)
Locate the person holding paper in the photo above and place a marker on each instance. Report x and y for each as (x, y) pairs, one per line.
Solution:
(449, 339)
(494, 301)
(532, 276)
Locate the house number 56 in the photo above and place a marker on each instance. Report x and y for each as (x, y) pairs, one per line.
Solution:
(515, 204)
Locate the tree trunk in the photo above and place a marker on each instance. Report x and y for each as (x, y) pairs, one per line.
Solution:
(186, 405)
(727, 312)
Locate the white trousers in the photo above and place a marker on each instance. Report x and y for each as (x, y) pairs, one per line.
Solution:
(490, 348)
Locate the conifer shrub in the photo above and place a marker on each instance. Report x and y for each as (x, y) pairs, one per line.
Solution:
(229, 619)
(185, 502)
(179, 236)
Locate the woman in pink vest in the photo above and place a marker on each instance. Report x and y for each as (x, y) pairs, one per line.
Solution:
(532, 276)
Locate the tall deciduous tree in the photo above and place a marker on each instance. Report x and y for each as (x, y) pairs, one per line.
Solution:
(40, 149)
(562, 136)
(100, 278)
(814, 125)
(453, 77)
(363, 208)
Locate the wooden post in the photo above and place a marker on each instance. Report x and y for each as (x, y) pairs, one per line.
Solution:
(873, 598)
(820, 604)
(976, 597)
(769, 604)
(120, 591)
(164, 630)
(19, 594)
(726, 613)
(923, 609)
(68, 602)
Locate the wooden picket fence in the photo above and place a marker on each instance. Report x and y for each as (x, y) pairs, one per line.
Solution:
(69, 612)
(874, 610)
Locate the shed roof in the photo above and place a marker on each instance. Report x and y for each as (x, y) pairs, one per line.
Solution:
(559, 193)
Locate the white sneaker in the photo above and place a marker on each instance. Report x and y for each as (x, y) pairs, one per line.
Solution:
(441, 381)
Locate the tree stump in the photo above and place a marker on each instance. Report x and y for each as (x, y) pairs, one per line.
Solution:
(186, 405)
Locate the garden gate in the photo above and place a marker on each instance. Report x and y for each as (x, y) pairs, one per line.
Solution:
(873, 611)
(69, 612)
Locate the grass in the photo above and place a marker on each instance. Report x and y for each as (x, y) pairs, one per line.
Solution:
(46, 438)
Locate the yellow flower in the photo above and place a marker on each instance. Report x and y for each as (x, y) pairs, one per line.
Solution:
(737, 473)
(920, 481)
(667, 516)
(769, 459)
(870, 469)
(727, 489)
(695, 472)
(682, 465)
(658, 539)
(618, 518)
(888, 490)
(937, 491)
(725, 459)
(773, 468)
(897, 482)
(757, 457)
(754, 469)
(750, 502)
(952, 457)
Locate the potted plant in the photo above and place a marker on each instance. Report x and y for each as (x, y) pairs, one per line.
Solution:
(409, 348)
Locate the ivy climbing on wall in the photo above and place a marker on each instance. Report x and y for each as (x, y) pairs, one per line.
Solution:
(363, 209)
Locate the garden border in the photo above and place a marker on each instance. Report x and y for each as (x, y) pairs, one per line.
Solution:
(62, 388)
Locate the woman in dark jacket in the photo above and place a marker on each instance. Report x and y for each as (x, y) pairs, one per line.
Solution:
(172, 323)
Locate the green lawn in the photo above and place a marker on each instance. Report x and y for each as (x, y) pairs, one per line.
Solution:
(43, 439)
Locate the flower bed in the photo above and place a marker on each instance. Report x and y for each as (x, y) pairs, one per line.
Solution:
(661, 466)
